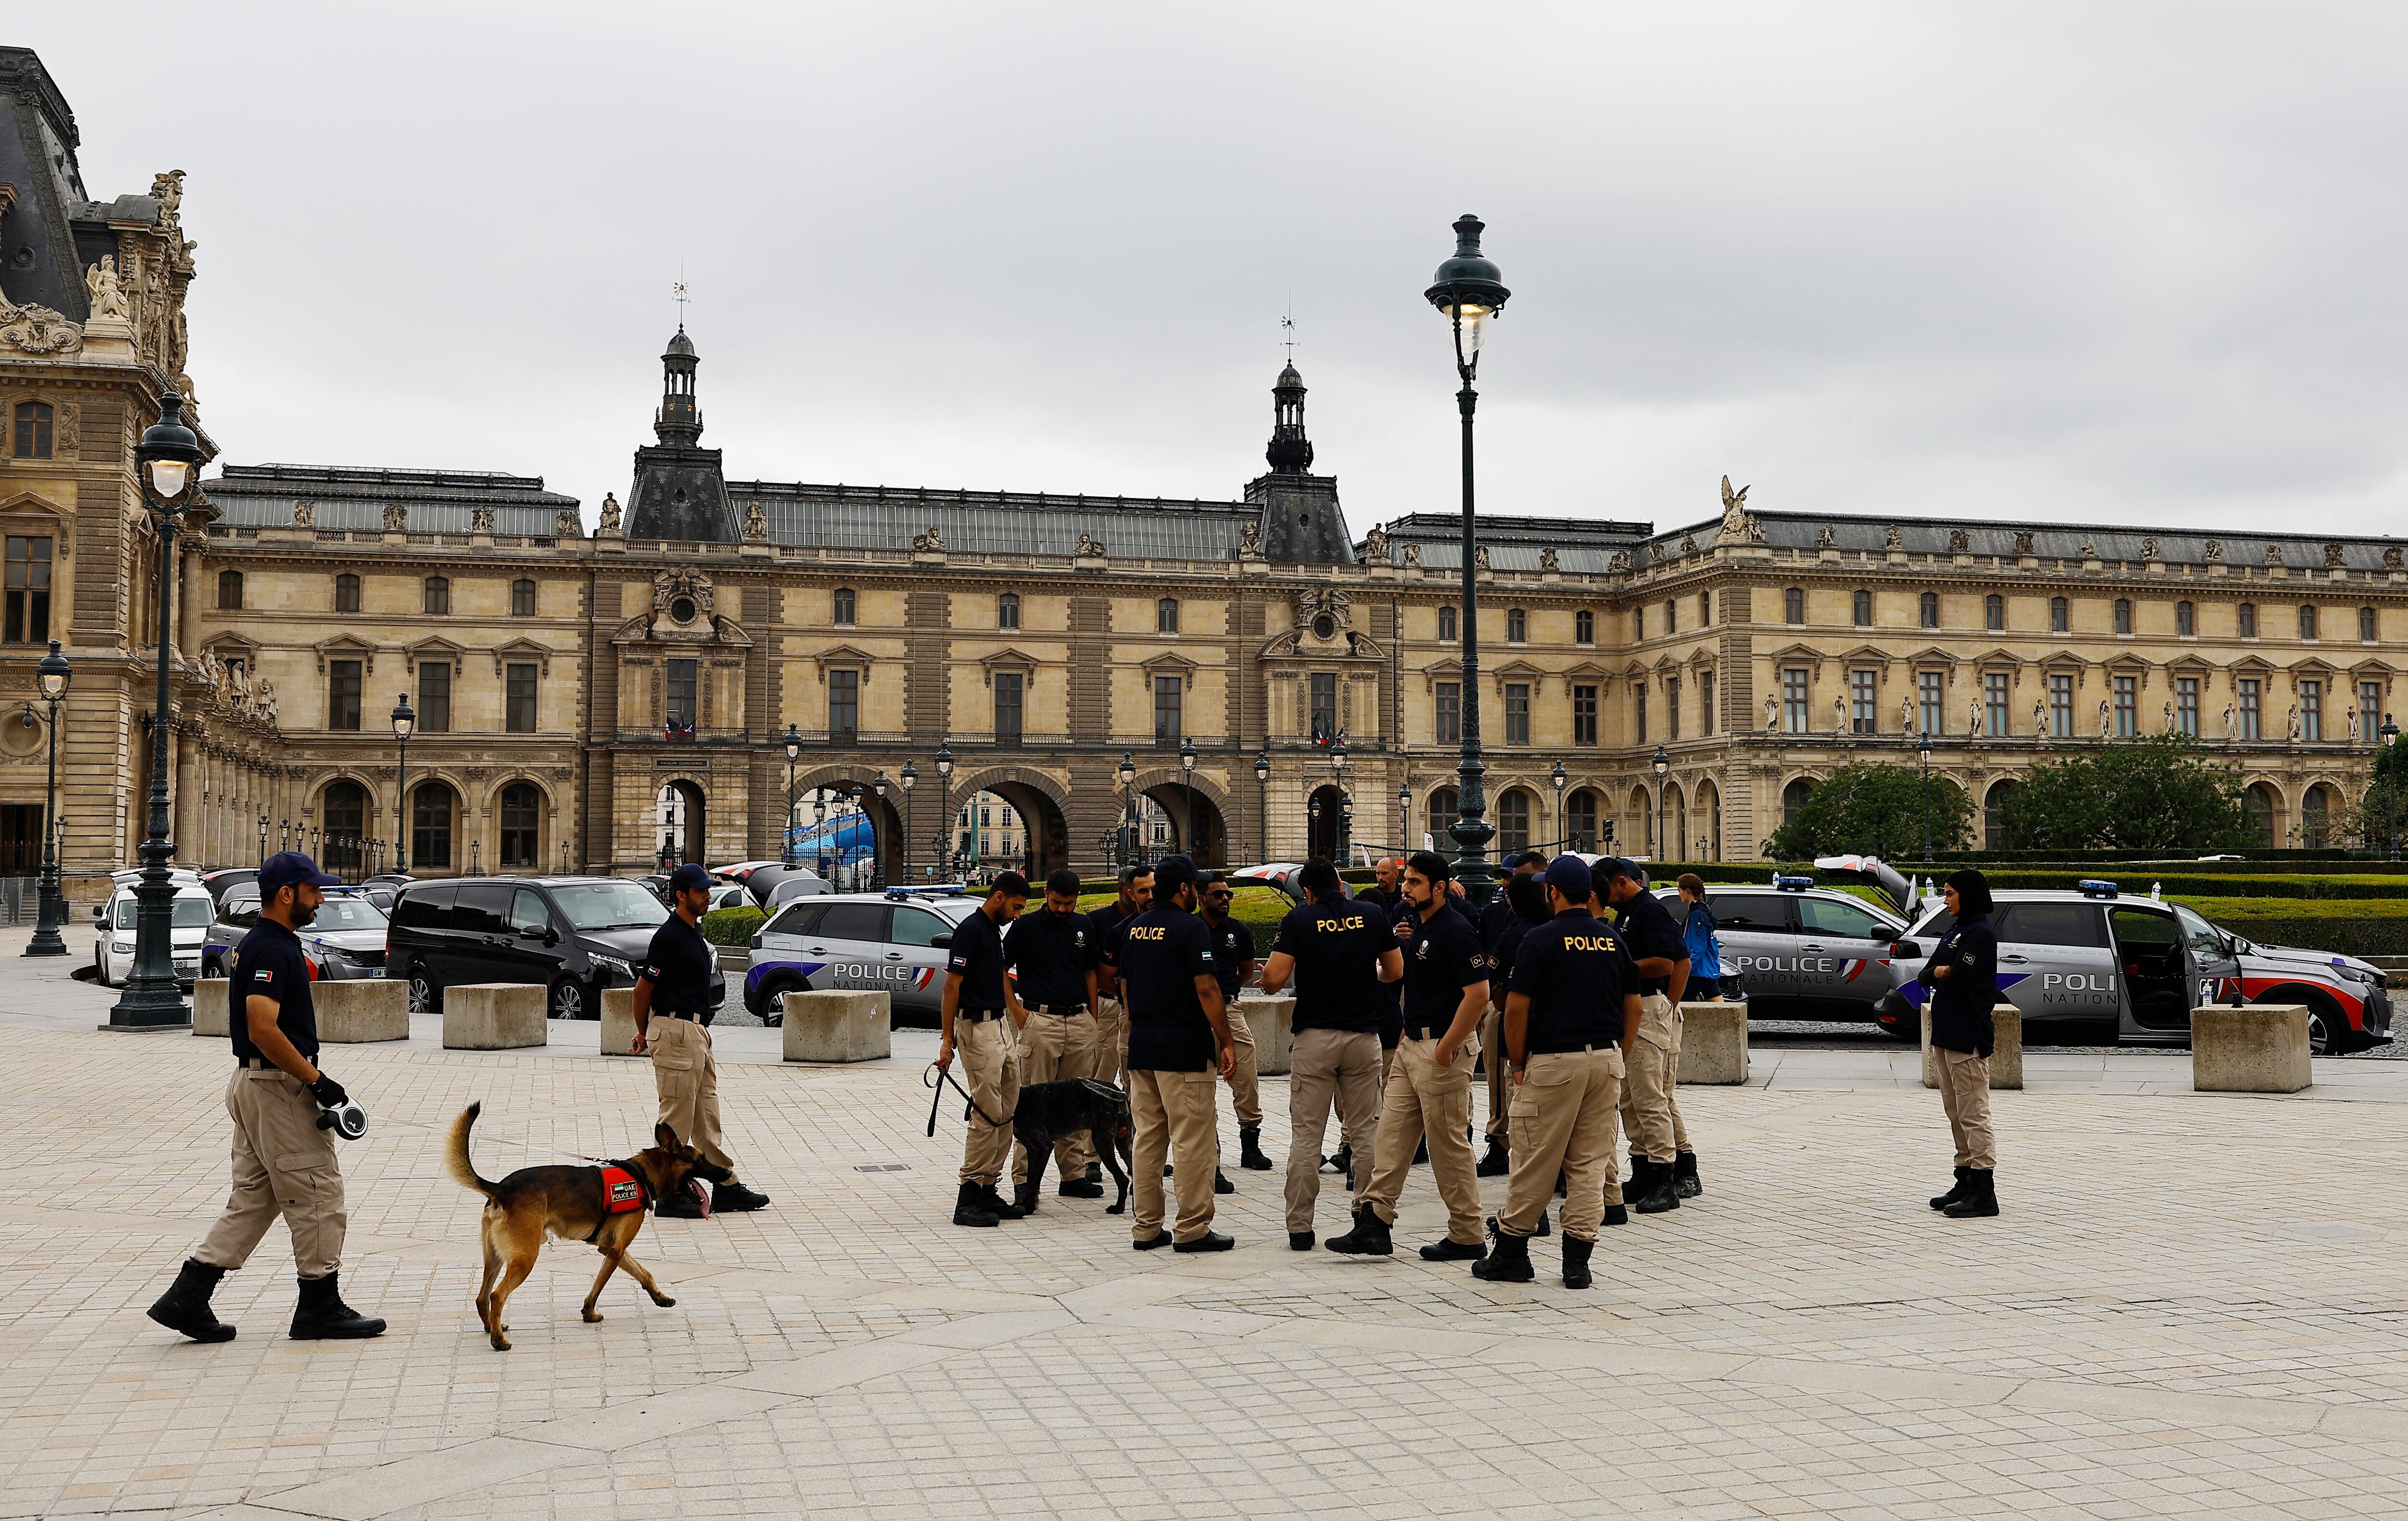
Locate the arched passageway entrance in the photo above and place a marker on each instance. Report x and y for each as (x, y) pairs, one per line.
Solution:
(1325, 823)
(1037, 826)
(680, 833)
(1196, 825)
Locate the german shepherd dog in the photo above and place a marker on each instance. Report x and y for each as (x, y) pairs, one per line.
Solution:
(568, 1202)
(1047, 1112)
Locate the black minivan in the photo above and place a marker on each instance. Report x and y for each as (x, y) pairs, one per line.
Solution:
(576, 935)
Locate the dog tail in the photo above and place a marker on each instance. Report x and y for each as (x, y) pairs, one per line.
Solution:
(463, 1171)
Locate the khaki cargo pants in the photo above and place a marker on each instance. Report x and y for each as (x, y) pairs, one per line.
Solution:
(1564, 1111)
(1651, 1107)
(1492, 1039)
(990, 1073)
(283, 1164)
(1423, 1098)
(1177, 1114)
(1245, 1085)
(1326, 1066)
(1054, 1048)
(1111, 1043)
(1965, 1094)
(686, 1076)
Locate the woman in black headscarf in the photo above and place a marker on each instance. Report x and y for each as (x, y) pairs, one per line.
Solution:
(1963, 976)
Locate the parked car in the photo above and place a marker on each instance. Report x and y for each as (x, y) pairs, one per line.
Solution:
(574, 935)
(790, 888)
(344, 943)
(112, 942)
(2094, 956)
(220, 883)
(894, 942)
(1802, 951)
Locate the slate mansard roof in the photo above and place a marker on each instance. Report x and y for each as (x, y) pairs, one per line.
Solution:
(995, 522)
(439, 501)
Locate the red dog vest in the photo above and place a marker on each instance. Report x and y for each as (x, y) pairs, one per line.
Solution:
(622, 1192)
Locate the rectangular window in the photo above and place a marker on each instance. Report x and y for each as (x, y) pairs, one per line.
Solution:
(2253, 721)
(1671, 708)
(844, 703)
(434, 697)
(1518, 713)
(683, 711)
(343, 695)
(1450, 713)
(2060, 706)
(518, 695)
(1324, 711)
(1165, 710)
(1007, 707)
(1931, 689)
(1585, 627)
(1994, 701)
(1706, 705)
(2123, 614)
(1793, 699)
(1862, 694)
(1672, 616)
(2312, 711)
(1639, 711)
(2186, 706)
(29, 591)
(1583, 715)
(2369, 711)
(2128, 706)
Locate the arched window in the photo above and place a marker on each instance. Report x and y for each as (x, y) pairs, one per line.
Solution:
(2186, 619)
(840, 607)
(432, 806)
(1929, 606)
(1642, 819)
(1861, 608)
(2260, 802)
(346, 594)
(33, 430)
(1993, 612)
(1793, 605)
(1580, 821)
(2059, 617)
(523, 597)
(1517, 626)
(344, 816)
(1514, 822)
(1166, 615)
(522, 816)
(1007, 610)
(1446, 624)
(1994, 816)
(2366, 624)
(2248, 617)
(1793, 798)
(229, 590)
(438, 593)
(2123, 614)
(1584, 626)
(2316, 817)
(2307, 622)
(1442, 815)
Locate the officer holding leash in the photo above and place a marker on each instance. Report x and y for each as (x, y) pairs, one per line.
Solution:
(673, 989)
(975, 1020)
(284, 1111)
(1051, 988)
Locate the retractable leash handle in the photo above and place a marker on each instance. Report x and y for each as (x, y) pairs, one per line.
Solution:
(346, 1119)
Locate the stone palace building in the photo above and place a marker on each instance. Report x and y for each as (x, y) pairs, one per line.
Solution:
(562, 677)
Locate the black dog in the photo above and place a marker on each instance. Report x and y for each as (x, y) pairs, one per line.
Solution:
(1048, 1112)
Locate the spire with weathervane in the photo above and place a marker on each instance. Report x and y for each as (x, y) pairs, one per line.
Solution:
(678, 422)
(1291, 452)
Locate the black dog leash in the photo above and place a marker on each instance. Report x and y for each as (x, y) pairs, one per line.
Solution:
(969, 1105)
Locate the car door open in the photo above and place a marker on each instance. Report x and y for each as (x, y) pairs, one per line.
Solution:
(1843, 958)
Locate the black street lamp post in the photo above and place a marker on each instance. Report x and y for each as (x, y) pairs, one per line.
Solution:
(877, 847)
(1263, 799)
(1187, 781)
(263, 839)
(54, 676)
(285, 834)
(910, 778)
(1404, 819)
(945, 806)
(1131, 850)
(1563, 835)
(1467, 292)
(1922, 748)
(786, 831)
(2391, 732)
(405, 723)
(1345, 809)
(167, 463)
(1663, 764)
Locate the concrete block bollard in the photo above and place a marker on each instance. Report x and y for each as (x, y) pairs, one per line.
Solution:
(1713, 1043)
(618, 1021)
(838, 1027)
(1273, 1023)
(495, 1017)
(2262, 1048)
(356, 1012)
(209, 1002)
(2006, 1053)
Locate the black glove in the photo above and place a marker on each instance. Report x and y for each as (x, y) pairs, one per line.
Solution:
(328, 1092)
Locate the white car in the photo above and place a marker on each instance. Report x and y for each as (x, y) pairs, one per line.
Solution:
(112, 945)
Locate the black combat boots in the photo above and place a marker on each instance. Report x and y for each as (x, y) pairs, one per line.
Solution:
(970, 1207)
(185, 1306)
(1370, 1237)
(1250, 1149)
(1496, 1162)
(1656, 1193)
(1943, 1200)
(1341, 1162)
(323, 1317)
(1685, 1174)
(1000, 1207)
(1980, 1198)
(1576, 1262)
(733, 1198)
(1508, 1262)
(1221, 1183)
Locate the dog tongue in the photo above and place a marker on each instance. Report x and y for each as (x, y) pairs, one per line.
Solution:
(701, 1195)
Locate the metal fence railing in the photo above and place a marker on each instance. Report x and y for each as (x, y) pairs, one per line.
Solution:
(20, 899)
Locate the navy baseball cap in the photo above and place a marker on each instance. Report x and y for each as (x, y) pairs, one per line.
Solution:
(1622, 866)
(1170, 874)
(688, 875)
(1569, 876)
(291, 868)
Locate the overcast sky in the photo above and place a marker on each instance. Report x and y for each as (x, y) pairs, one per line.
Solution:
(2122, 263)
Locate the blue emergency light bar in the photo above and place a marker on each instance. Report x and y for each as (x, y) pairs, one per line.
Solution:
(2093, 887)
(1792, 883)
(930, 889)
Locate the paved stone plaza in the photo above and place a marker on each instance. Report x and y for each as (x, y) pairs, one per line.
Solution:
(2191, 1306)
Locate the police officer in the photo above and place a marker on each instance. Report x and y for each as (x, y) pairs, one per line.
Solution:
(1339, 951)
(284, 1164)
(1649, 1104)
(1502, 929)
(1429, 1094)
(1112, 1013)
(1050, 985)
(976, 1019)
(1963, 976)
(1570, 1011)
(673, 992)
(1179, 1041)
(1233, 965)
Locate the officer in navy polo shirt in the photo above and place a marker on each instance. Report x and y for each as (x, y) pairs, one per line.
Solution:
(975, 1019)
(1178, 1045)
(1050, 967)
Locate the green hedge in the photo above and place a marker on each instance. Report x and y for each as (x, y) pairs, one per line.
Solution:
(731, 926)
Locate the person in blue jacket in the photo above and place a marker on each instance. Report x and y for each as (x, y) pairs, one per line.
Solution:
(1963, 977)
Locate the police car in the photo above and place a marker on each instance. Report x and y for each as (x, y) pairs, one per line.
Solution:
(1801, 951)
(895, 942)
(2093, 956)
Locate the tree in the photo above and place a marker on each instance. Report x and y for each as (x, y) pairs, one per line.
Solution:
(1870, 807)
(2154, 794)
(2383, 813)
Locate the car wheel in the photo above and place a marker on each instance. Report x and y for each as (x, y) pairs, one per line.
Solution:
(773, 1002)
(568, 999)
(211, 970)
(100, 967)
(2324, 1027)
(424, 996)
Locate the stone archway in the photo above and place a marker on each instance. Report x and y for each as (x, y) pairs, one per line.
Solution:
(1197, 828)
(680, 839)
(1043, 807)
(870, 851)
(1322, 823)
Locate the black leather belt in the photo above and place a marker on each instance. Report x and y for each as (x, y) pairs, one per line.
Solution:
(663, 1014)
(978, 1016)
(1426, 1032)
(1063, 1010)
